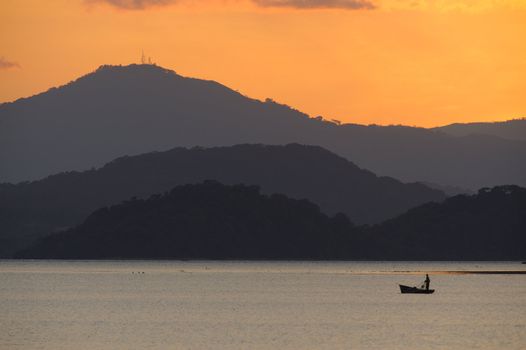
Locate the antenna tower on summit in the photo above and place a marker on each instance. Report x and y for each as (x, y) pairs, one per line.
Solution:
(146, 60)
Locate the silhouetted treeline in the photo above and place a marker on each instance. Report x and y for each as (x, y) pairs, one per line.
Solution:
(28, 210)
(490, 225)
(206, 221)
(143, 108)
(214, 221)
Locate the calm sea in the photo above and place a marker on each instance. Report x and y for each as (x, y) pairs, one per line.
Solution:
(258, 305)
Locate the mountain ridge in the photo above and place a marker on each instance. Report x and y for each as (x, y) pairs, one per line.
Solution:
(513, 129)
(127, 110)
(215, 221)
(298, 171)
(240, 223)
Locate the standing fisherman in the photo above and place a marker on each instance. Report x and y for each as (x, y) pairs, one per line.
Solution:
(426, 282)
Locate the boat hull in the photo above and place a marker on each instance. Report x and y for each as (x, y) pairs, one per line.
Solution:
(415, 290)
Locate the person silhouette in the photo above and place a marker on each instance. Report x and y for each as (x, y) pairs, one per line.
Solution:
(427, 281)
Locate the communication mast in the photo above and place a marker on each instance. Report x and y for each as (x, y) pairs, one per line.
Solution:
(146, 59)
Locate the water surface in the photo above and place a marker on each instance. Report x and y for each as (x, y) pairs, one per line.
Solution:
(259, 305)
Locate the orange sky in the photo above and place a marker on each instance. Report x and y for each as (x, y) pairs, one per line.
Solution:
(413, 62)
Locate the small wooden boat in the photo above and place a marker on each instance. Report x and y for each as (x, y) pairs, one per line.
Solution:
(415, 290)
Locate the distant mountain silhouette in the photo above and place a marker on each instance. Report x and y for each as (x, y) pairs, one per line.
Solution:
(135, 109)
(449, 190)
(511, 129)
(206, 221)
(214, 221)
(490, 225)
(28, 210)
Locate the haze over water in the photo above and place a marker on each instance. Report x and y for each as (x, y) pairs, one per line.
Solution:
(258, 305)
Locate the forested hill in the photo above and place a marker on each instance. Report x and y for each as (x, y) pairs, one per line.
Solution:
(29, 210)
(489, 225)
(214, 221)
(299, 171)
(205, 221)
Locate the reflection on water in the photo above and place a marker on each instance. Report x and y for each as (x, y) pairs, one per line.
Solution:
(259, 305)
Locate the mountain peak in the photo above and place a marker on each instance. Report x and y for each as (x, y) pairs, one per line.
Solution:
(134, 68)
(141, 74)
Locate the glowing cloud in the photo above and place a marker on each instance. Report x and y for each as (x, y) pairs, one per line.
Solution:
(421, 5)
(316, 4)
(5, 64)
(452, 5)
(297, 4)
(133, 4)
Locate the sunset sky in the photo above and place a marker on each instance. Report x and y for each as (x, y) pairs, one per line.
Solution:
(413, 62)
